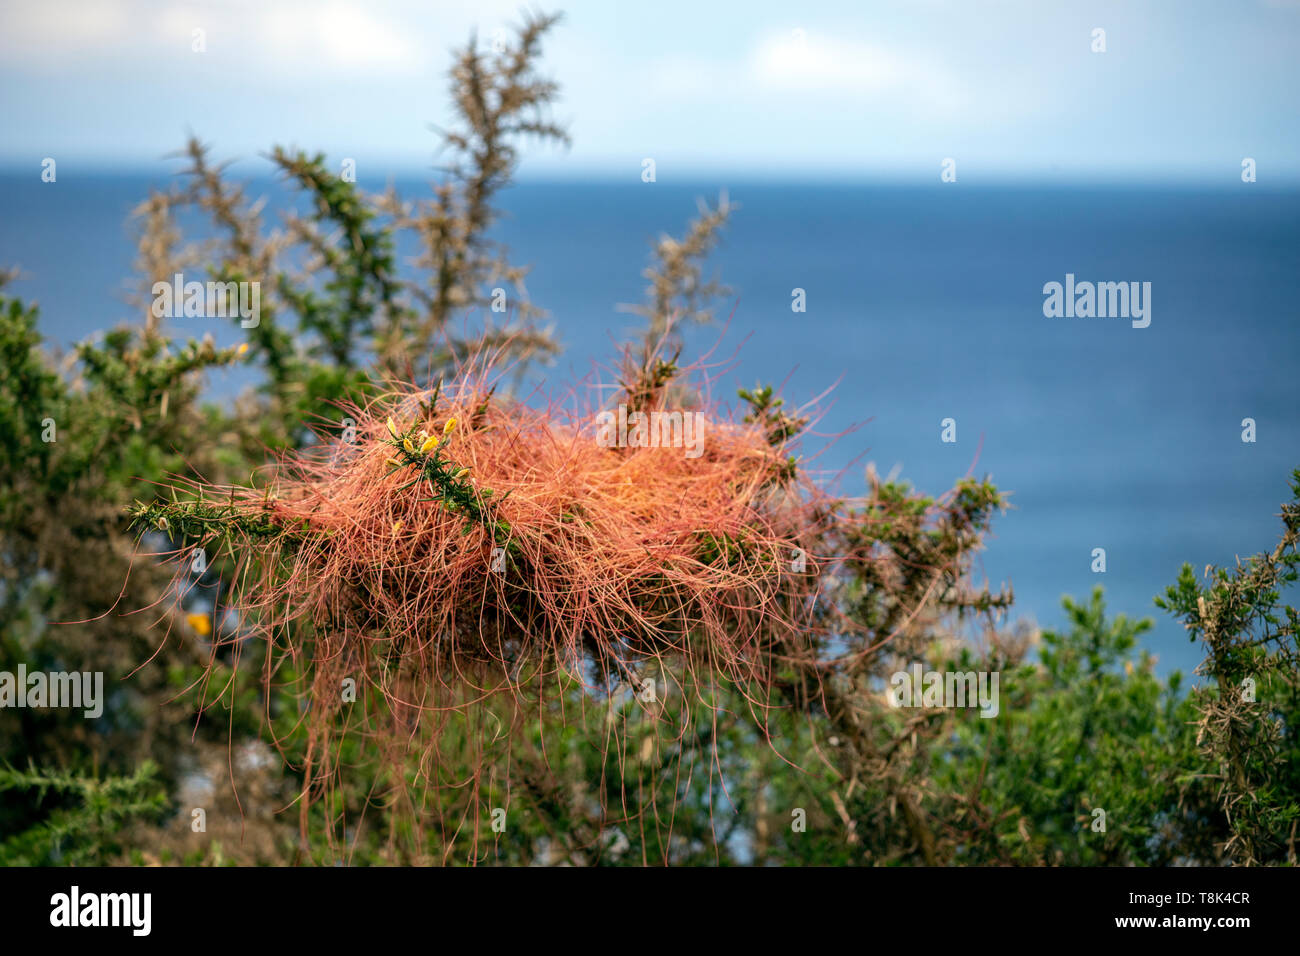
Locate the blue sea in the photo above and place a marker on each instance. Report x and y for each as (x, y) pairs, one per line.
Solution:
(924, 303)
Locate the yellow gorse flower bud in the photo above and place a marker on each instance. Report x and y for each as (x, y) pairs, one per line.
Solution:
(429, 445)
(397, 526)
(451, 423)
(406, 443)
(392, 429)
(243, 347)
(462, 473)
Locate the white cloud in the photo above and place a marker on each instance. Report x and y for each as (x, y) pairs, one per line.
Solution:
(295, 37)
(335, 36)
(803, 63)
(800, 62)
(35, 31)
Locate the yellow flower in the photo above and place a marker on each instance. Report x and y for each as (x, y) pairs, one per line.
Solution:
(451, 423)
(394, 462)
(429, 445)
(201, 623)
(462, 473)
(392, 429)
(397, 526)
(243, 348)
(406, 443)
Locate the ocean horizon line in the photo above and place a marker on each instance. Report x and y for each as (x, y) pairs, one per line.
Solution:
(259, 168)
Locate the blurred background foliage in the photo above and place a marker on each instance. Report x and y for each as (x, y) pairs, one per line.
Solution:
(1202, 775)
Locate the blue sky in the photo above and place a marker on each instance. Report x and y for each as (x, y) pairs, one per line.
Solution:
(1008, 88)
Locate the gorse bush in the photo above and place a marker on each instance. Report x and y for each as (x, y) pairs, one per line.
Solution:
(88, 819)
(437, 621)
(1247, 727)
